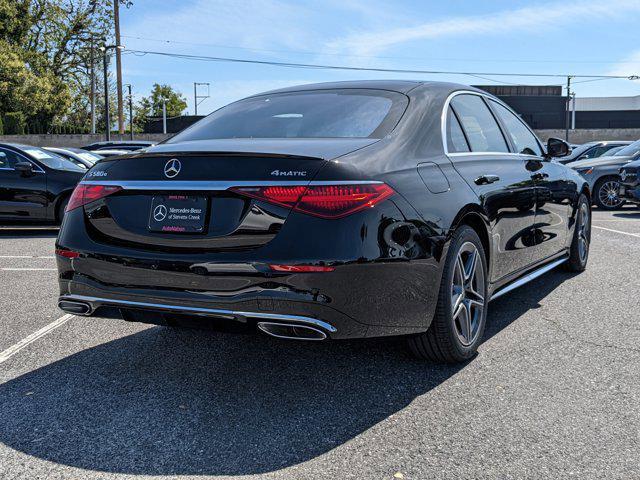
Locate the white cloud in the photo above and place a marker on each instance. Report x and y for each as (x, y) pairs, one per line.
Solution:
(629, 66)
(505, 22)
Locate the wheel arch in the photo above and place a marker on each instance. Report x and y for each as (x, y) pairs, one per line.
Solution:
(474, 217)
(62, 196)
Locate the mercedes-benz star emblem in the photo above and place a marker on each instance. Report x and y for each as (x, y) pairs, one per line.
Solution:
(172, 168)
(623, 175)
(159, 213)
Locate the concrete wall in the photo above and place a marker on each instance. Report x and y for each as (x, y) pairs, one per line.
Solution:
(79, 140)
(588, 135)
(575, 136)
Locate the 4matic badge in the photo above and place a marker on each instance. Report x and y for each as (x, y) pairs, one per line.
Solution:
(288, 173)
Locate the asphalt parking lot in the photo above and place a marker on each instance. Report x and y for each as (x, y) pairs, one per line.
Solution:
(554, 391)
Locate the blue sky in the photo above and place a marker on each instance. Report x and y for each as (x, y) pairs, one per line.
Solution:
(576, 37)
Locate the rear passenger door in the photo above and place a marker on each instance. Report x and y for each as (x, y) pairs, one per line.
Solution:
(482, 155)
(21, 196)
(552, 193)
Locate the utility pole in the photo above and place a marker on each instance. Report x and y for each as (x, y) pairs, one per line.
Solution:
(93, 89)
(573, 111)
(130, 97)
(164, 115)
(568, 109)
(196, 96)
(116, 16)
(107, 121)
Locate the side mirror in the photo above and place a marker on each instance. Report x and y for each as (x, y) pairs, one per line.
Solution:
(558, 148)
(25, 168)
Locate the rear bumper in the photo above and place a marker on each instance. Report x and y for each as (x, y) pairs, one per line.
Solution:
(354, 301)
(629, 193)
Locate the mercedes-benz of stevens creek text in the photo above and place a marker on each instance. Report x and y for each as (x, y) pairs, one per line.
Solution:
(330, 211)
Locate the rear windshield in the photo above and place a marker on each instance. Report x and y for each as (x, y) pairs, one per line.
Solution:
(51, 159)
(630, 150)
(346, 113)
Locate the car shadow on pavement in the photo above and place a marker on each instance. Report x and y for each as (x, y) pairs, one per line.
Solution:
(166, 402)
(16, 232)
(627, 214)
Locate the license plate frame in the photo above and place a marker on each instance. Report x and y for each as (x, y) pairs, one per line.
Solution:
(178, 214)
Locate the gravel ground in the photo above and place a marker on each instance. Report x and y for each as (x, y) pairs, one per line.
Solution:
(553, 393)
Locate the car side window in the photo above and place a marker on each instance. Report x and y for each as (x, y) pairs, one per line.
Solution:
(8, 159)
(481, 128)
(456, 142)
(522, 138)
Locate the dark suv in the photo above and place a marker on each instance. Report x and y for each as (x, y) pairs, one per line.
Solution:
(630, 183)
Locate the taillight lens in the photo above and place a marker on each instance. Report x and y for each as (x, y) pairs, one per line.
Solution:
(84, 194)
(326, 201)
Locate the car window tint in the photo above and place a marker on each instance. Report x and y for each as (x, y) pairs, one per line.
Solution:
(346, 113)
(8, 158)
(455, 136)
(478, 123)
(522, 138)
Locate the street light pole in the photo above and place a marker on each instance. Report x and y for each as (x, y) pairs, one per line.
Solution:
(93, 90)
(568, 109)
(164, 116)
(130, 98)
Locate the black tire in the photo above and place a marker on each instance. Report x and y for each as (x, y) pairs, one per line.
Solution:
(579, 251)
(599, 193)
(442, 343)
(61, 208)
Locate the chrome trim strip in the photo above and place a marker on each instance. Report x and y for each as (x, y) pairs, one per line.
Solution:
(443, 125)
(210, 311)
(215, 184)
(527, 278)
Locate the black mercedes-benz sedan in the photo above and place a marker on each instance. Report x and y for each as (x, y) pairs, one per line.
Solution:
(329, 211)
(35, 184)
(630, 182)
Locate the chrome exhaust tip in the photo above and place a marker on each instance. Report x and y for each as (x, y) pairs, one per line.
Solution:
(291, 332)
(77, 308)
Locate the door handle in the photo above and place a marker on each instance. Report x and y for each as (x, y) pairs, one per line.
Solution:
(486, 179)
(539, 176)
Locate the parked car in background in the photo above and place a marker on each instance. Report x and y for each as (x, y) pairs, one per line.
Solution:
(603, 175)
(35, 184)
(630, 182)
(80, 157)
(129, 145)
(344, 210)
(112, 152)
(591, 150)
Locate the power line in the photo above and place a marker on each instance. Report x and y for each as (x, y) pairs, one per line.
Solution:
(382, 57)
(371, 69)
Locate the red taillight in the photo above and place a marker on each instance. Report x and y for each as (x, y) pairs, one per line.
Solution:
(67, 253)
(84, 194)
(326, 201)
(300, 268)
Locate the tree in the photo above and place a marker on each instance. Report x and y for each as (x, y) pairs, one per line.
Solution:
(47, 44)
(151, 106)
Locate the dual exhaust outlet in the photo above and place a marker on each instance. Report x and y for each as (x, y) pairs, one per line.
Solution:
(286, 331)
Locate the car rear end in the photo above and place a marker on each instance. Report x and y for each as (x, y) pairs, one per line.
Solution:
(630, 182)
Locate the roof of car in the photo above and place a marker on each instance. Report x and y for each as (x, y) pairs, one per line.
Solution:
(402, 86)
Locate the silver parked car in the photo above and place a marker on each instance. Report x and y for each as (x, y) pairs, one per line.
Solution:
(603, 176)
(592, 150)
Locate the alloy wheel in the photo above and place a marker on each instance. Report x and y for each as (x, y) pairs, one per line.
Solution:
(608, 194)
(467, 294)
(584, 229)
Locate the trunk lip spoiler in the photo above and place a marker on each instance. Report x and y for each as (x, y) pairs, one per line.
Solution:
(203, 185)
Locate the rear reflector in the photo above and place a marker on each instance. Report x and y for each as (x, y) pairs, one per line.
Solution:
(326, 201)
(67, 253)
(84, 194)
(300, 268)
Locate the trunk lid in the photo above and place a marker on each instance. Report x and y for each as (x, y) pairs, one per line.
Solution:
(180, 200)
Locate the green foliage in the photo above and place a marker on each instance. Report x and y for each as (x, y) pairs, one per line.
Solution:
(45, 58)
(151, 106)
(15, 123)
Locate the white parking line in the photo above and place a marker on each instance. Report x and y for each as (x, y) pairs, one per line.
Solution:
(11, 351)
(617, 231)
